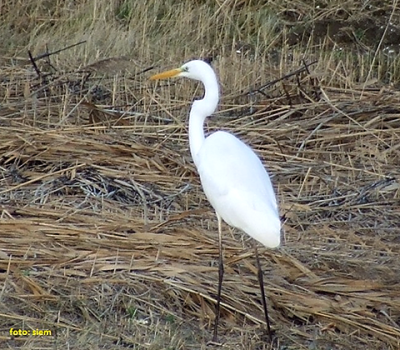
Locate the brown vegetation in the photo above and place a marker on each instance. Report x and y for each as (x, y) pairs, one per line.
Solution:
(106, 237)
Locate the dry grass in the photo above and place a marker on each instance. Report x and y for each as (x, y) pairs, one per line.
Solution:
(106, 237)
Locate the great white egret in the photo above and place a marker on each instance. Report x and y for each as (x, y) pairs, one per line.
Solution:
(233, 177)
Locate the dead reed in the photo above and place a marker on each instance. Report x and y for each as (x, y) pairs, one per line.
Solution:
(108, 241)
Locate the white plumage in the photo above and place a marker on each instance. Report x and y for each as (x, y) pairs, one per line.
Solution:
(233, 177)
(238, 187)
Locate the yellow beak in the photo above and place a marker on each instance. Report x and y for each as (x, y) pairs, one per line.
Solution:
(168, 74)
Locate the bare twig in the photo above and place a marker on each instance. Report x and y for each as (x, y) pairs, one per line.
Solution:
(35, 67)
(286, 76)
(47, 54)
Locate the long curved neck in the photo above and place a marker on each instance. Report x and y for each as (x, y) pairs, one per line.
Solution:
(200, 110)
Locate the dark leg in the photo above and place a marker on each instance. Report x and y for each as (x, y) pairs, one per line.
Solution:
(261, 282)
(220, 278)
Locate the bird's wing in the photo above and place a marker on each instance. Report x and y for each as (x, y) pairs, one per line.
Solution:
(239, 188)
(227, 163)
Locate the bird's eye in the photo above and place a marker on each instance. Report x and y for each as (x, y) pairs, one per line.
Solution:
(185, 69)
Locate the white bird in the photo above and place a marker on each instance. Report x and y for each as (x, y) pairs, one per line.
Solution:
(232, 176)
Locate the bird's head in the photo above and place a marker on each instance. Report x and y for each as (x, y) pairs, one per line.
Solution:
(202, 71)
(196, 70)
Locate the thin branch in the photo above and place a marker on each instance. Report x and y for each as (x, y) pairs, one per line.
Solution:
(33, 63)
(273, 82)
(47, 54)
